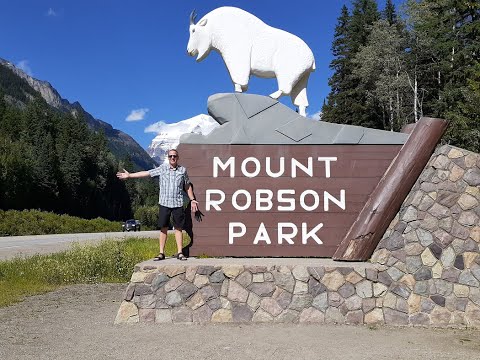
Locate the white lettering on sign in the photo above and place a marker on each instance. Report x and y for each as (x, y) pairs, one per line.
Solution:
(218, 163)
(263, 200)
(280, 200)
(234, 234)
(262, 235)
(237, 230)
(268, 167)
(209, 202)
(294, 165)
(309, 200)
(285, 236)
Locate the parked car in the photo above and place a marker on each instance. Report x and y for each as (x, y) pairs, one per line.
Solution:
(131, 225)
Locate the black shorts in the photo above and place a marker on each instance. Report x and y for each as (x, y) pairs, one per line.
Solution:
(177, 214)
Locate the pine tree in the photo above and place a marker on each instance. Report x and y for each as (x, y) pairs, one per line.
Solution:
(340, 66)
(348, 103)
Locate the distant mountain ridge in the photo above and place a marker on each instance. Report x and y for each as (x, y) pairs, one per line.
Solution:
(121, 144)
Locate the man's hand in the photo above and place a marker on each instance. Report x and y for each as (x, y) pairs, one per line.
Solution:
(123, 175)
(194, 205)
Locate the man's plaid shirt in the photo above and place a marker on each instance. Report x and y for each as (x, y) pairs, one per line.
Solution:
(172, 183)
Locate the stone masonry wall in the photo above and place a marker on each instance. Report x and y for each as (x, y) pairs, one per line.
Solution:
(432, 247)
(425, 271)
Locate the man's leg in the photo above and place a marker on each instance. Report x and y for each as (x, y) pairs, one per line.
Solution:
(163, 239)
(179, 240)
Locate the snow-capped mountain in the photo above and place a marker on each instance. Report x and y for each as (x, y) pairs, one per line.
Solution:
(168, 135)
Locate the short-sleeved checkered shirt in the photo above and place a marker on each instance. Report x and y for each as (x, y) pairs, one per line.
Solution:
(172, 183)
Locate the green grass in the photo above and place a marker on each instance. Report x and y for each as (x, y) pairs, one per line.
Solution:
(108, 262)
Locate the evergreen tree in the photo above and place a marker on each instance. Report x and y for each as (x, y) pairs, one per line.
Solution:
(390, 14)
(340, 66)
(447, 51)
(348, 103)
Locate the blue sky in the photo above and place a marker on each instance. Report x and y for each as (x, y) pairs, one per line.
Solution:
(118, 57)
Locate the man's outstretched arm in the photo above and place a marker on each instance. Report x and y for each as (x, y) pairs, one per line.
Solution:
(126, 175)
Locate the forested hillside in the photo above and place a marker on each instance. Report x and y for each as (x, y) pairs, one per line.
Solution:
(390, 70)
(51, 160)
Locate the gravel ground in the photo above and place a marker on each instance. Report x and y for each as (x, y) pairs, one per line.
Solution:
(76, 322)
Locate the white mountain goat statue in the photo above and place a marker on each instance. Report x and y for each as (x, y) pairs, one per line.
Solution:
(250, 47)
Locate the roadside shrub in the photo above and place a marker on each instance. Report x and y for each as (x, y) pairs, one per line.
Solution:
(35, 222)
(148, 216)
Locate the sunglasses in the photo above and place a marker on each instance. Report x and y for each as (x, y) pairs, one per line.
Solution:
(172, 156)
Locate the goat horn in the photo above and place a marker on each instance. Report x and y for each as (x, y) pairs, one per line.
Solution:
(193, 15)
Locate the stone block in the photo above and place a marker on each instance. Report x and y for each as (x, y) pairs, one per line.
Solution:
(288, 316)
(333, 280)
(311, 315)
(217, 277)
(245, 278)
(395, 317)
(208, 293)
(335, 299)
(172, 270)
(195, 301)
(285, 280)
(355, 278)
(222, 316)
(253, 301)
(467, 202)
(202, 314)
(159, 280)
(419, 319)
(368, 304)
(374, 317)
(440, 316)
(236, 292)
(138, 277)
(163, 316)
(173, 283)
(182, 314)
(379, 289)
(232, 271)
(206, 270)
(262, 316)
(316, 272)
(262, 289)
(300, 302)
(300, 287)
(241, 313)
(364, 289)
(271, 306)
(466, 278)
(334, 316)
(300, 273)
(321, 302)
(346, 290)
(127, 313)
(201, 280)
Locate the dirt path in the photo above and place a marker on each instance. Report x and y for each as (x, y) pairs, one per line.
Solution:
(77, 323)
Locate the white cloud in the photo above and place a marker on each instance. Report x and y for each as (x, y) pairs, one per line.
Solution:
(23, 65)
(137, 114)
(316, 116)
(51, 12)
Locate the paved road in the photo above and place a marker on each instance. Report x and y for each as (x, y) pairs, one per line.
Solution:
(11, 246)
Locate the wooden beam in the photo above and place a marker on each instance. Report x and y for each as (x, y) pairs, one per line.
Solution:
(385, 201)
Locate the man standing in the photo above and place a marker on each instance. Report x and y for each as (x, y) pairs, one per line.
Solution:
(173, 179)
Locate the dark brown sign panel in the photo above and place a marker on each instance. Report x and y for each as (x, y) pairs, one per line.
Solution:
(280, 200)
